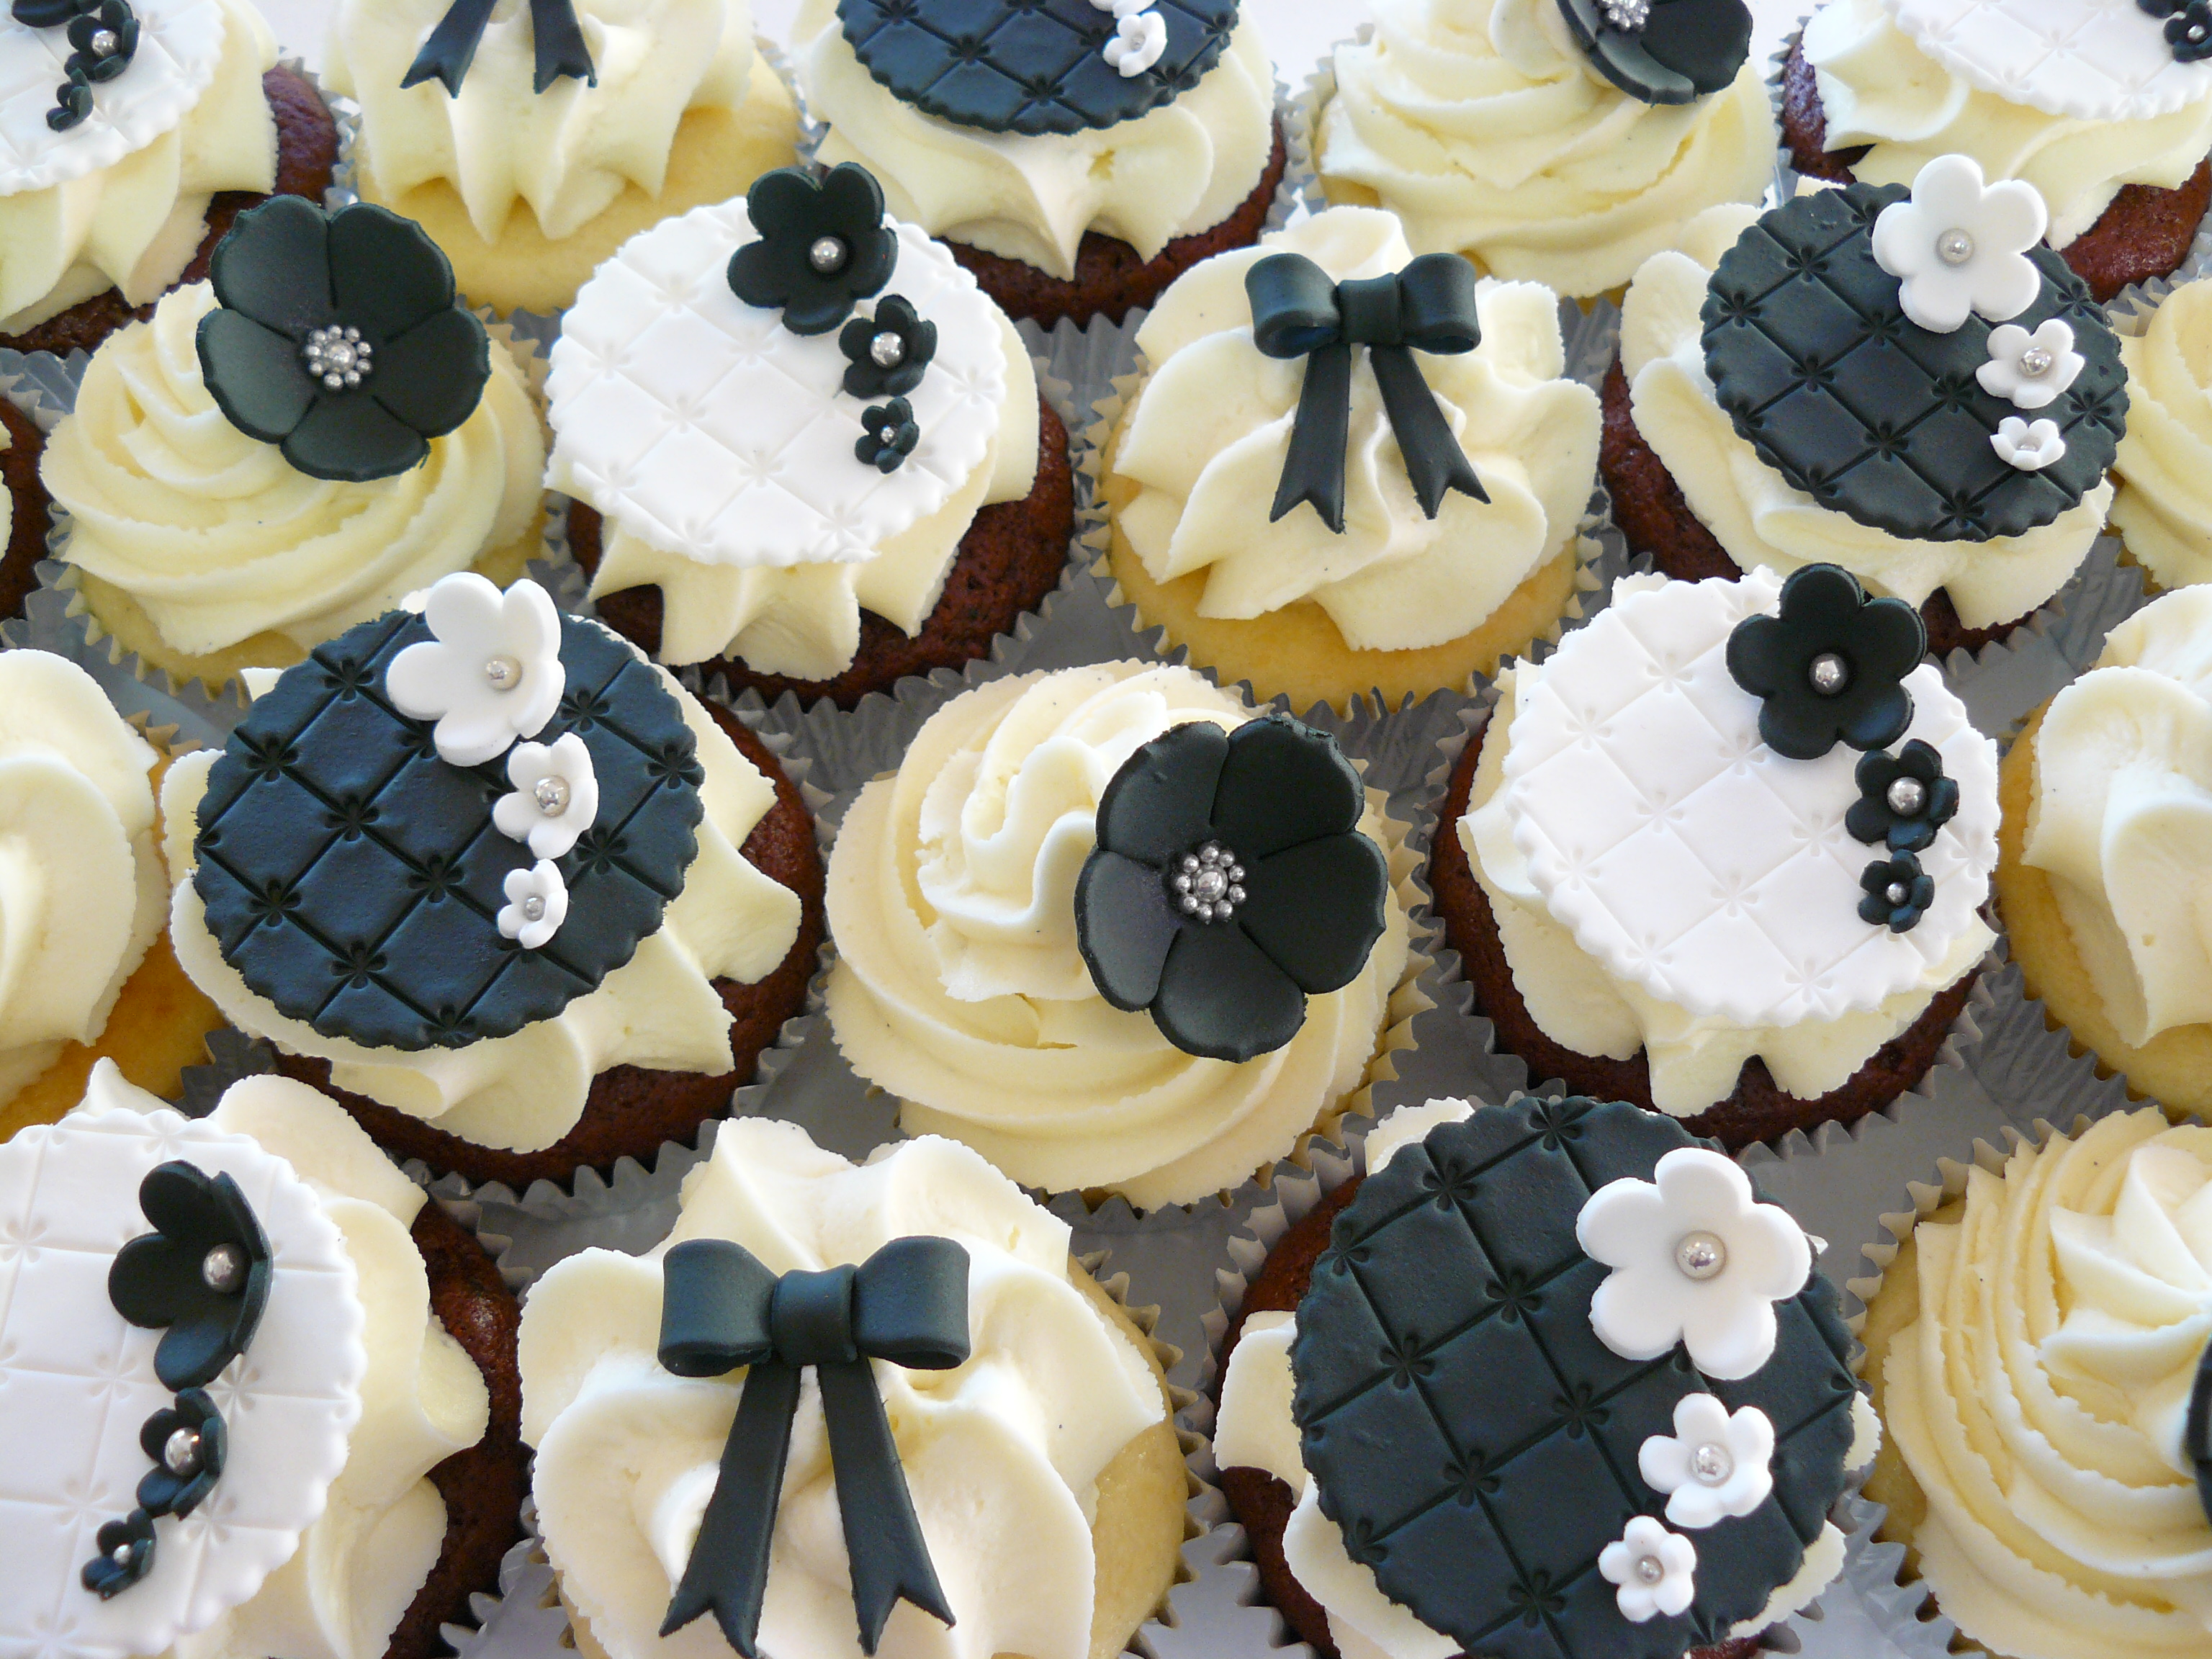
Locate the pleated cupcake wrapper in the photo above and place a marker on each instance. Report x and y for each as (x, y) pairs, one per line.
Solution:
(33, 386)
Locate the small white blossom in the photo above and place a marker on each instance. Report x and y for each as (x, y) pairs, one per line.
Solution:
(1714, 1465)
(1138, 42)
(1960, 246)
(2029, 445)
(536, 905)
(494, 672)
(1655, 1570)
(556, 797)
(2030, 371)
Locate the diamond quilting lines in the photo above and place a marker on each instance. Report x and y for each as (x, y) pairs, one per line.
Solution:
(2097, 60)
(179, 44)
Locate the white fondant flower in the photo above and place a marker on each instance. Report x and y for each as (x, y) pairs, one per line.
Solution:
(1961, 246)
(1696, 1260)
(1714, 1464)
(1138, 42)
(536, 905)
(493, 673)
(1656, 1571)
(2029, 445)
(2030, 370)
(557, 795)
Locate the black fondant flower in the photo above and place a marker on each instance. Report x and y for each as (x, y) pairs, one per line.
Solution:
(1897, 893)
(822, 245)
(888, 435)
(187, 1443)
(126, 1555)
(104, 38)
(339, 338)
(1663, 51)
(1831, 667)
(2188, 27)
(48, 14)
(1229, 883)
(889, 352)
(1903, 799)
(203, 1272)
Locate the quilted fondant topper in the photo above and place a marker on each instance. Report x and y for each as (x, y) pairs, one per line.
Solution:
(1567, 1387)
(103, 37)
(2094, 60)
(1663, 51)
(451, 47)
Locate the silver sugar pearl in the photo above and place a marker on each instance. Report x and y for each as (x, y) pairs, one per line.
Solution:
(1711, 1464)
(1907, 796)
(502, 673)
(1829, 673)
(121, 1553)
(180, 1452)
(1210, 885)
(533, 908)
(2035, 362)
(1701, 1255)
(887, 351)
(1897, 893)
(223, 1269)
(1190, 863)
(890, 435)
(551, 795)
(103, 42)
(828, 254)
(1954, 246)
(1649, 1570)
(1628, 15)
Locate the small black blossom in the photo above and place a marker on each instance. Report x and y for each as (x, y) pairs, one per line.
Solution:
(887, 354)
(823, 246)
(187, 1443)
(103, 39)
(1897, 893)
(2188, 27)
(203, 1273)
(888, 435)
(126, 1555)
(1831, 667)
(1903, 799)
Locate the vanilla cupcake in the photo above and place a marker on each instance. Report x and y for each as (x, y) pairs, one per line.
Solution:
(260, 468)
(1115, 932)
(2106, 841)
(1325, 528)
(1548, 143)
(2162, 506)
(532, 141)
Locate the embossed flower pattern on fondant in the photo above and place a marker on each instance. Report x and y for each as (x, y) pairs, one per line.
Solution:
(1903, 799)
(2031, 446)
(555, 799)
(822, 245)
(1897, 893)
(1655, 1570)
(200, 1278)
(536, 905)
(1714, 1465)
(1831, 667)
(1696, 1260)
(187, 1443)
(888, 435)
(1959, 246)
(887, 354)
(2030, 371)
(490, 673)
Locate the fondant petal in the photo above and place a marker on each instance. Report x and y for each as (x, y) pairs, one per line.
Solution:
(1124, 926)
(1159, 806)
(1220, 997)
(1317, 909)
(275, 266)
(1283, 784)
(432, 376)
(387, 276)
(351, 439)
(254, 374)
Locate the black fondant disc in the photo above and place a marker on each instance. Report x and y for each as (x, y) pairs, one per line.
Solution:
(354, 880)
(1028, 66)
(1477, 1443)
(1825, 377)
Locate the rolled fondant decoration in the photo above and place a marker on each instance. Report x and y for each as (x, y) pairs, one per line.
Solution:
(451, 47)
(1830, 668)
(823, 246)
(1662, 52)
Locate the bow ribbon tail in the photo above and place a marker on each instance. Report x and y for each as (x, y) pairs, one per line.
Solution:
(452, 47)
(1313, 472)
(890, 1561)
(1435, 463)
(560, 48)
(727, 1573)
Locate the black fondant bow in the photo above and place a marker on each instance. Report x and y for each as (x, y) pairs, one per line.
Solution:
(451, 47)
(1298, 312)
(720, 1308)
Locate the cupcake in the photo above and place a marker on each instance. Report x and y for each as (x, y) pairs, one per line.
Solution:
(532, 141)
(1723, 855)
(986, 1446)
(2162, 505)
(85, 973)
(1119, 934)
(2105, 839)
(1905, 384)
(288, 450)
(1549, 1380)
(2037, 1351)
(1560, 144)
(805, 449)
(1325, 530)
(171, 116)
(516, 899)
(261, 1394)
(24, 508)
(2106, 109)
(1078, 158)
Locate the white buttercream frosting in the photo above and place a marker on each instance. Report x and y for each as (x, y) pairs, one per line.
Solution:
(120, 201)
(1207, 437)
(1175, 170)
(217, 538)
(2122, 816)
(959, 985)
(525, 1091)
(2039, 1397)
(1877, 88)
(1668, 884)
(2164, 468)
(1757, 515)
(82, 892)
(1487, 129)
(1002, 1455)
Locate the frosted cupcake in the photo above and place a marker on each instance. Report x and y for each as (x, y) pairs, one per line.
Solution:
(2105, 831)
(532, 141)
(511, 895)
(291, 448)
(2163, 503)
(1905, 384)
(804, 448)
(1550, 140)
(263, 1393)
(2037, 1356)
(1723, 855)
(1116, 933)
(1077, 157)
(170, 117)
(1324, 521)
(2106, 109)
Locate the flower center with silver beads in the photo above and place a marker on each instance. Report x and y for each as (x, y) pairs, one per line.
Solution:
(1701, 1255)
(338, 357)
(1209, 882)
(1629, 16)
(1829, 673)
(828, 254)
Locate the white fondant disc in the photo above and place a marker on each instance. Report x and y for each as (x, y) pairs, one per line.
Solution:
(2097, 60)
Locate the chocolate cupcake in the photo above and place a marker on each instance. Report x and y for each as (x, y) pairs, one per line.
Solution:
(1907, 385)
(25, 507)
(1078, 158)
(2106, 109)
(1723, 855)
(514, 898)
(1446, 1427)
(173, 116)
(801, 494)
(245, 1345)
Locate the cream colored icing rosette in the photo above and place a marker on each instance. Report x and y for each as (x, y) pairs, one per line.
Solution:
(2163, 504)
(1485, 127)
(1401, 601)
(1044, 1473)
(528, 191)
(119, 200)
